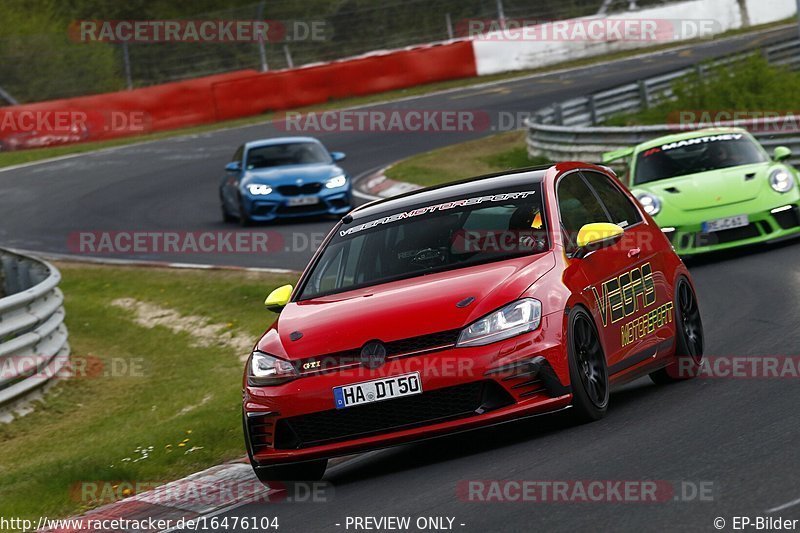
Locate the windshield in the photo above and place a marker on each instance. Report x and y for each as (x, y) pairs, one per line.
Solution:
(447, 235)
(699, 154)
(275, 155)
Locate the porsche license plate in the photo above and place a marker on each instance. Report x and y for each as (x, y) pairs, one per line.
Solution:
(377, 390)
(725, 223)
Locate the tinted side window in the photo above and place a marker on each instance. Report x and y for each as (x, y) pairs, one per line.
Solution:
(621, 209)
(578, 206)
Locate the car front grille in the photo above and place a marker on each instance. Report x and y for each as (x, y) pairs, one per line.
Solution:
(391, 415)
(413, 345)
(296, 190)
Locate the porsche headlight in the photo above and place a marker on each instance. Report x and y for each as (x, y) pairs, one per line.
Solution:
(336, 181)
(515, 318)
(650, 203)
(266, 370)
(781, 180)
(259, 189)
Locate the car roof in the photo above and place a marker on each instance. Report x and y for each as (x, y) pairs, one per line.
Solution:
(279, 140)
(686, 135)
(466, 188)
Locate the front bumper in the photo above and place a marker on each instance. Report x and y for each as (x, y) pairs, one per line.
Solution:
(273, 206)
(463, 388)
(765, 226)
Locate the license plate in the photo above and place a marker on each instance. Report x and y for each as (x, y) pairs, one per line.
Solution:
(725, 223)
(302, 200)
(377, 390)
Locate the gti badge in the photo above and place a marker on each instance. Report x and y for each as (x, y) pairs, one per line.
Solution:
(373, 354)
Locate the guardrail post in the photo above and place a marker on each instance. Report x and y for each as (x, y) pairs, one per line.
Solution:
(644, 94)
(592, 110)
(558, 114)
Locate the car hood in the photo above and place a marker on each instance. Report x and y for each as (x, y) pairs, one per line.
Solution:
(711, 189)
(289, 175)
(400, 309)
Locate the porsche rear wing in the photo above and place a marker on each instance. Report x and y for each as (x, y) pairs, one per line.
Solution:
(615, 155)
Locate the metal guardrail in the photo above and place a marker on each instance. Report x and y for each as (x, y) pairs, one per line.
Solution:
(572, 130)
(33, 337)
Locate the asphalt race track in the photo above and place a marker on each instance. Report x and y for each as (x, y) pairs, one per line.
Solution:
(739, 435)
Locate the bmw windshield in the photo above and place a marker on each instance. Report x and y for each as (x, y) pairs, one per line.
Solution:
(449, 234)
(276, 155)
(699, 154)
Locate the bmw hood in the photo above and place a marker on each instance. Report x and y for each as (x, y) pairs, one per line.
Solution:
(400, 309)
(715, 188)
(289, 175)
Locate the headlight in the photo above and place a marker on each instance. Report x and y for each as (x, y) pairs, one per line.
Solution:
(781, 180)
(515, 318)
(265, 370)
(336, 181)
(651, 204)
(259, 189)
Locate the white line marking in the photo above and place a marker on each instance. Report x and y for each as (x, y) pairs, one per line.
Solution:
(784, 506)
(142, 263)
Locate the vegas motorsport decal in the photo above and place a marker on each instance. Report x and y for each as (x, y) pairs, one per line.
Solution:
(628, 294)
(439, 207)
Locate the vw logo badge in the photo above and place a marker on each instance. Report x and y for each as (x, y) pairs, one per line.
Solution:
(373, 354)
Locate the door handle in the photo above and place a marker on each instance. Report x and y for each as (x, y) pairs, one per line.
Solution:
(634, 252)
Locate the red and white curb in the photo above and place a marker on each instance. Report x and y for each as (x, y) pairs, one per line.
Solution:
(375, 185)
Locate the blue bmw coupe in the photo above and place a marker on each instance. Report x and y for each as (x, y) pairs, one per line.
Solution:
(283, 177)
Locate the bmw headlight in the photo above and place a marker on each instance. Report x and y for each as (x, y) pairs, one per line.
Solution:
(651, 204)
(781, 180)
(336, 181)
(265, 370)
(259, 189)
(512, 320)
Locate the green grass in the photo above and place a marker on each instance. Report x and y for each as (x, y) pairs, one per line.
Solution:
(87, 426)
(752, 84)
(27, 156)
(497, 153)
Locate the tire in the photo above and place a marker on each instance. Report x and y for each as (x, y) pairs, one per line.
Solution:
(226, 216)
(306, 471)
(244, 220)
(588, 371)
(689, 338)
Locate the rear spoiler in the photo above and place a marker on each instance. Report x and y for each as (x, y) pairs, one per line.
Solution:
(622, 153)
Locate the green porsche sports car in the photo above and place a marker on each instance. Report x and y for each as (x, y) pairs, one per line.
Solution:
(714, 189)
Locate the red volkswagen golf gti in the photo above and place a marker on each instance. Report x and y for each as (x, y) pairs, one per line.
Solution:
(467, 305)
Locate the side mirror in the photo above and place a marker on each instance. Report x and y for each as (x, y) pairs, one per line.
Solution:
(233, 166)
(592, 237)
(278, 298)
(338, 156)
(781, 153)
